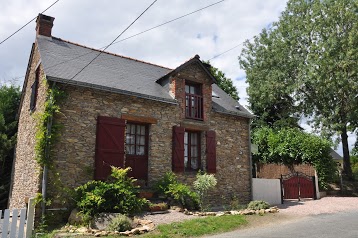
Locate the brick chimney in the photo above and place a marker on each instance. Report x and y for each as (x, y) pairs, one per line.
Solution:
(44, 25)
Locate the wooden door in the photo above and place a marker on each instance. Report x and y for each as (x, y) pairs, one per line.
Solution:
(109, 145)
(137, 150)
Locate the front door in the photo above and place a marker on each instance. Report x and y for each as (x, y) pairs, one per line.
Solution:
(137, 150)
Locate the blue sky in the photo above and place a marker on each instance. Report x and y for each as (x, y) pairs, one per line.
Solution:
(96, 23)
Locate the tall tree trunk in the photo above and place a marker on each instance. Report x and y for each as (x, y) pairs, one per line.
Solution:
(347, 170)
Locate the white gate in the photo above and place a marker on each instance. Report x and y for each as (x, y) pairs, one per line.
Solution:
(18, 224)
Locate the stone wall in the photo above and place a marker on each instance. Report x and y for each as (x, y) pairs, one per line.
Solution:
(78, 136)
(26, 172)
(274, 171)
(232, 157)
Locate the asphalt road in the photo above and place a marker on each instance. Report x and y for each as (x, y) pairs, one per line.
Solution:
(341, 224)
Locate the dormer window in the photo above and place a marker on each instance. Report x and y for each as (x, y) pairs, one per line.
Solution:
(193, 101)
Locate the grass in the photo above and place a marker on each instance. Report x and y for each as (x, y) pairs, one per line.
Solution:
(198, 227)
(189, 228)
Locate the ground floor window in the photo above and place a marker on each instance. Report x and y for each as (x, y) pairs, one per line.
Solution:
(136, 139)
(191, 150)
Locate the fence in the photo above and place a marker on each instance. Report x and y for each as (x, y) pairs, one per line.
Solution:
(268, 190)
(19, 223)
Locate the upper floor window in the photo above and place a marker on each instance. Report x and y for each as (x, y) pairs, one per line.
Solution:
(193, 101)
(34, 89)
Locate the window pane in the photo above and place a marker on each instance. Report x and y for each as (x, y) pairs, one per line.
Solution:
(194, 151)
(185, 162)
(194, 138)
(140, 140)
(129, 139)
(140, 150)
(187, 89)
(142, 130)
(132, 129)
(130, 149)
(194, 163)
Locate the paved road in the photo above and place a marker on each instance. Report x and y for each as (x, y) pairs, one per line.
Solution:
(342, 225)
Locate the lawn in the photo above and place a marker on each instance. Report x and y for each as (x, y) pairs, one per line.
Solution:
(198, 227)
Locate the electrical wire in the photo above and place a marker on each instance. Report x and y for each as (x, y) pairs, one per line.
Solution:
(27, 23)
(232, 48)
(139, 33)
(114, 39)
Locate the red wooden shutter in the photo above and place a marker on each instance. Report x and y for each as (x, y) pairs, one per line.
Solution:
(210, 152)
(109, 145)
(178, 149)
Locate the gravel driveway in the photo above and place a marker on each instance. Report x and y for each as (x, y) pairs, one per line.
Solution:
(320, 206)
(290, 210)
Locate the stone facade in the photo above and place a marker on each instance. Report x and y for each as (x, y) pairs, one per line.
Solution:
(74, 154)
(26, 172)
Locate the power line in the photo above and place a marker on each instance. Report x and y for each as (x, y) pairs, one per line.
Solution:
(27, 23)
(216, 56)
(139, 33)
(114, 39)
(190, 13)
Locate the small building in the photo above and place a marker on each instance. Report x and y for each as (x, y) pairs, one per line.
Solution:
(127, 113)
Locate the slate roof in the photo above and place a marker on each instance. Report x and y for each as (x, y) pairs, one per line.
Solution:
(62, 60)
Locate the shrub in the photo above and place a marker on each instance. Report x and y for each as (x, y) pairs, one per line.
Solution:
(258, 205)
(170, 187)
(118, 194)
(203, 183)
(162, 206)
(162, 186)
(120, 223)
(182, 193)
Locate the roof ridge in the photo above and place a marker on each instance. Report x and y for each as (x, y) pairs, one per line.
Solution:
(122, 56)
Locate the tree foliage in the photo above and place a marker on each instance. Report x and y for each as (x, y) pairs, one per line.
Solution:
(307, 63)
(9, 103)
(223, 82)
(290, 146)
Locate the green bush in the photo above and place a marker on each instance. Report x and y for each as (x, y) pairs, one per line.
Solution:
(170, 187)
(182, 193)
(162, 186)
(120, 223)
(258, 205)
(119, 194)
(203, 183)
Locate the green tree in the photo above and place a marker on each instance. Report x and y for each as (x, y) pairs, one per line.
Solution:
(223, 82)
(312, 57)
(9, 103)
(290, 146)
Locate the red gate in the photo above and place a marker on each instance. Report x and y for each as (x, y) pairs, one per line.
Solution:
(298, 185)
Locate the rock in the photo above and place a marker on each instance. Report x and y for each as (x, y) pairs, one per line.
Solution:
(102, 221)
(135, 231)
(220, 214)
(75, 218)
(211, 214)
(267, 210)
(125, 233)
(98, 234)
(82, 229)
(234, 212)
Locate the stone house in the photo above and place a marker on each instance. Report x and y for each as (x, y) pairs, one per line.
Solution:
(128, 113)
